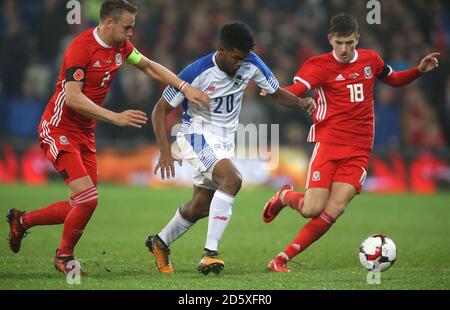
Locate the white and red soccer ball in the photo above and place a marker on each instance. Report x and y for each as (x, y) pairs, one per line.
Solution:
(377, 253)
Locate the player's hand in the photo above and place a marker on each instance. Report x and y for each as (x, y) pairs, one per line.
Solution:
(166, 164)
(429, 62)
(309, 105)
(262, 93)
(196, 96)
(132, 118)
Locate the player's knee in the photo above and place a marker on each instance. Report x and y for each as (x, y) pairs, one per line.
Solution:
(195, 210)
(311, 211)
(313, 205)
(336, 208)
(232, 183)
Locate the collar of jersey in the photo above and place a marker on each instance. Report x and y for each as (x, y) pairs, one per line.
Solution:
(355, 57)
(100, 41)
(214, 60)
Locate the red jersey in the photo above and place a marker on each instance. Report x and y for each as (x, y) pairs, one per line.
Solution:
(344, 96)
(87, 59)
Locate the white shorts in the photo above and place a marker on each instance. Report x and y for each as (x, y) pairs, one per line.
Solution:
(203, 152)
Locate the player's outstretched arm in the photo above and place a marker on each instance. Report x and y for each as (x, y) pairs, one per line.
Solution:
(287, 99)
(166, 160)
(76, 100)
(401, 78)
(161, 73)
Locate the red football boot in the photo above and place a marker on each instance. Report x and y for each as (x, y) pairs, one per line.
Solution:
(16, 230)
(274, 205)
(278, 264)
(62, 264)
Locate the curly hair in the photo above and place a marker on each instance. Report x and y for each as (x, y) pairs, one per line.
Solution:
(237, 35)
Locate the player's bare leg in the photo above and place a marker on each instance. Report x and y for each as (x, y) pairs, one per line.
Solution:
(314, 202)
(184, 218)
(198, 207)
(309, 204)
(340, 196)
(229, 181)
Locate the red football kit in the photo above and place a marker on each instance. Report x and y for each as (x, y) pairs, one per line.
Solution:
(343, 128)
(67, 137)
(62, 129)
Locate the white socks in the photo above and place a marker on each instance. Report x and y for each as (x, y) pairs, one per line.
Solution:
(177, 226)
(219, 216)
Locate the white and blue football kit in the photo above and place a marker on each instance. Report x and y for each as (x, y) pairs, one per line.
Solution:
(207, 135)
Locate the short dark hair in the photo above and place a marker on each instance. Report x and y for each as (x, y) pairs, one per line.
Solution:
(343, 25)
(115, 8)
(237, 35)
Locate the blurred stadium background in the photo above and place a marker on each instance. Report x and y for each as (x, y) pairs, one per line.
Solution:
(412, 123)
(411, 156)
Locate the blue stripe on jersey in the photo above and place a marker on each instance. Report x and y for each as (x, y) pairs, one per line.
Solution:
(270, 77)
(255, 60)
(186, 118)
(169, 93)
(196, 68)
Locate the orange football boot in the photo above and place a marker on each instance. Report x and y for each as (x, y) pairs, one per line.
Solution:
(210, 262)
(161, 253)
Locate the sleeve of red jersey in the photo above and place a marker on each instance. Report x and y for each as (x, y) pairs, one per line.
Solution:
(395, 78)
(308, 77)
(128, 49)
(76, 61)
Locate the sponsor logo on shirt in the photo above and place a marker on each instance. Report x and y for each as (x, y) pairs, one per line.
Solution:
(97, 64)
(353, 75)
(340, 78)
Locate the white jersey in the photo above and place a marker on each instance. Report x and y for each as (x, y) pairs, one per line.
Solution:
(225, 93)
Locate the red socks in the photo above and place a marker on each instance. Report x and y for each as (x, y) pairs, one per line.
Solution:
(294, 200)
(53, 214)
(83, 205)
(312, 231)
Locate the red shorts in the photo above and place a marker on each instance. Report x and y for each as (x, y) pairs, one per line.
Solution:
(337, 163)
(79, 152)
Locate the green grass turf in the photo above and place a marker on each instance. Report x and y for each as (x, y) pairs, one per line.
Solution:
(112, 248)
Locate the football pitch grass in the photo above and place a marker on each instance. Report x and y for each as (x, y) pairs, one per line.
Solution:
(112, 249)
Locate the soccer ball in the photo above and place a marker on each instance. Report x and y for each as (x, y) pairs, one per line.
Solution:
(377, 253)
